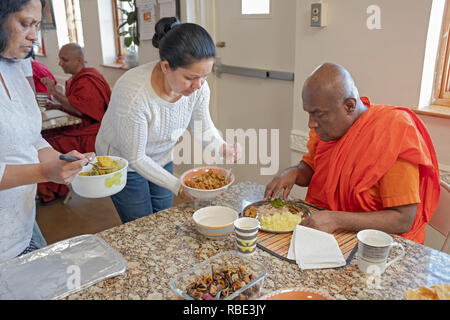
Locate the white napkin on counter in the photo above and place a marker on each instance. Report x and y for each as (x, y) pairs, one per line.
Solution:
(314, 249)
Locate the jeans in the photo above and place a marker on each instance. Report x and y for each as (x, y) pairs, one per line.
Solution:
(141, 197)
(38, 238)
(31, 247)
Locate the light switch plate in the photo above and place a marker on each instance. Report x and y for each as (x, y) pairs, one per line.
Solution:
(318, 15)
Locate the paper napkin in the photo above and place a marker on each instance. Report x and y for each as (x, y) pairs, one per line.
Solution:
(314, 249)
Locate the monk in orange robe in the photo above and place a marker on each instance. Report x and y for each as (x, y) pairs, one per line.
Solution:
(86, 96)
(369, 166)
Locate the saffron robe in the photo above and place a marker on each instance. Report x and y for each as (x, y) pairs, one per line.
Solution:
(345, 170)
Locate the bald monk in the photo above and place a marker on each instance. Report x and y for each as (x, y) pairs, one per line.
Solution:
(369, 166)
(86, 96)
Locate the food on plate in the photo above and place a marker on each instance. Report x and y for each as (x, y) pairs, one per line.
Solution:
(104, 165)
(251, 212)
(436, 292)
(220, 284)
(280, 221)
(276, 215)
(207, 180)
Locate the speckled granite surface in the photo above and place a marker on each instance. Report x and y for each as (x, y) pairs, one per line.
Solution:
(160, 246)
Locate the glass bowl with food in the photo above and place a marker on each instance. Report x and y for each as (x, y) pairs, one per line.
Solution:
(226, 276)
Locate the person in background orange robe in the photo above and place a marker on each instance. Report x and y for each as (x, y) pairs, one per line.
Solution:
(87, 96)
(369, 166)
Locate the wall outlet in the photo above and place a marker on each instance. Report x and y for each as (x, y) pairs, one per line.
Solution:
(318, 15)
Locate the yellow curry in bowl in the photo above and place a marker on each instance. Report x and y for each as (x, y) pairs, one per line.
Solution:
(104, 165)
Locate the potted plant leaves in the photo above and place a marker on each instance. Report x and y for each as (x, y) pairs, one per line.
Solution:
(129, 30)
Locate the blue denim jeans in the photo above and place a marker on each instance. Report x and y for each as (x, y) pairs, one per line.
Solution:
(38, 238)
(141, 197)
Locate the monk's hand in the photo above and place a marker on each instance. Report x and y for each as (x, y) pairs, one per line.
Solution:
(64, 172)
(52, 105)
(49, 84)
(284, 181)
(324, 220)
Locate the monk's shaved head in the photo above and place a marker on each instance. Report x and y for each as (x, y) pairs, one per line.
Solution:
(74, 49)
(331, 82)
(332, 100)
(71, 58)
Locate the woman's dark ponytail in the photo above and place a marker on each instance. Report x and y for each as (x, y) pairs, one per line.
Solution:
(182, 44)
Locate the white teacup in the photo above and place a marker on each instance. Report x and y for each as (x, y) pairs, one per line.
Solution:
(373, 251)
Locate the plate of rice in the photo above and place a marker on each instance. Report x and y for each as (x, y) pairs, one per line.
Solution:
(277, 216)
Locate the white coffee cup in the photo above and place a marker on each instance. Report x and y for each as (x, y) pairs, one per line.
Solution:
(374, 247)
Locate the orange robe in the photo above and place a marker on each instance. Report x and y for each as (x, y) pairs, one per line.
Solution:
(89, 93)
(347, 170)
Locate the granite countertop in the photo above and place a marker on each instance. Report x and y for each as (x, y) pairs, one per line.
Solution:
(159, 247)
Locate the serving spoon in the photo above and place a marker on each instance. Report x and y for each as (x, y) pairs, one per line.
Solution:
(72, 159)
(228, 175)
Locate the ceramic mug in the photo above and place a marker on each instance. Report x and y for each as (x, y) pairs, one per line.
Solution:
(374, 247)
(246, 231)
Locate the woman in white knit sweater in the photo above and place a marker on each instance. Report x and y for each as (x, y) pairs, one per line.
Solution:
(150, 108)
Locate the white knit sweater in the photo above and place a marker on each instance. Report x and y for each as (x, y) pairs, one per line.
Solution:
(143, 128)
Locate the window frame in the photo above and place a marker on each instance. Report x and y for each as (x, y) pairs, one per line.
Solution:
(116, 31)
(118, 39)
(257, 15)
(441, 96)
(72, 29)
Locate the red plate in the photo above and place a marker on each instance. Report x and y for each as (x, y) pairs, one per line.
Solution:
(293, 294)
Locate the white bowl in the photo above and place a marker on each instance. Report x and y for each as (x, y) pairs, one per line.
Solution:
(215, 222)
(103, 185)
(205, 194)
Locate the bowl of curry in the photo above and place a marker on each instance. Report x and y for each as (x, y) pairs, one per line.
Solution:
(106, 177)
(206, 183)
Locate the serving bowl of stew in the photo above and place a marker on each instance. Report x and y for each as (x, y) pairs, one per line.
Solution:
(206, 183)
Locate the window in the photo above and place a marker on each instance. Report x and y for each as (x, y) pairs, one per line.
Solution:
(69, 27)
(441, 94)
(435, 87)
(123, 14)
(39, 48)
(255, 7)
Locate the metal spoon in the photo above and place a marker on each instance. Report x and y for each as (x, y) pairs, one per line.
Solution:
(72, 159)
(228, 175)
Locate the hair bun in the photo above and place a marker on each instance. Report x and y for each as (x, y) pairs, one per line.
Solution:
(162, 27)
